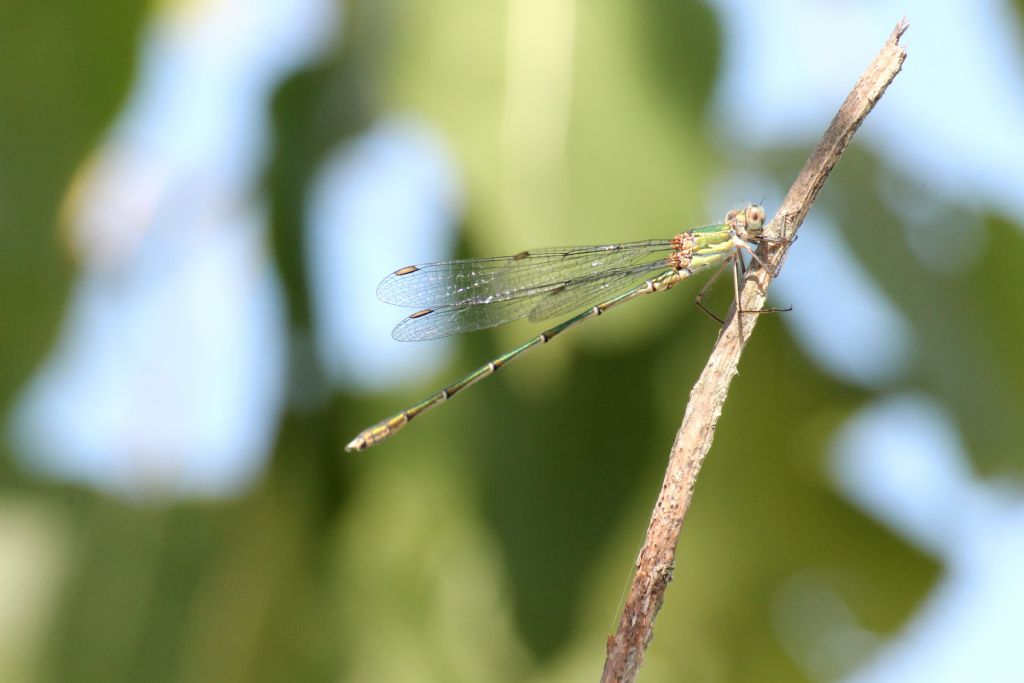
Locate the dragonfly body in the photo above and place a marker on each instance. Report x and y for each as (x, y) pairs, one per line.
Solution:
(474, 294)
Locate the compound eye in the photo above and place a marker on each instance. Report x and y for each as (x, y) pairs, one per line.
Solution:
(755, 214)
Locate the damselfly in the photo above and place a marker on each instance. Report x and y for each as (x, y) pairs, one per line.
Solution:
(474, 294)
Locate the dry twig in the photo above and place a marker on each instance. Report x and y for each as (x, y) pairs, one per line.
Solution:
(657, 556)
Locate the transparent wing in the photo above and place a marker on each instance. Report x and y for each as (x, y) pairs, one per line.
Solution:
(543, 303)
(585, 292)
(527, 274)
(444, 321)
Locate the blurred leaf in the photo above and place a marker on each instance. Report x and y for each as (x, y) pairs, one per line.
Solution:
(65, 66)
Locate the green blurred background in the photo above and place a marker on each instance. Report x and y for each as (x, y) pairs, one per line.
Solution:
(493, 540)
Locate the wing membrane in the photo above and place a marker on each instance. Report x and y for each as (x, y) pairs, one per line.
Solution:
(525, 275)
(445, 321)
(585, 292)
(542, 303)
